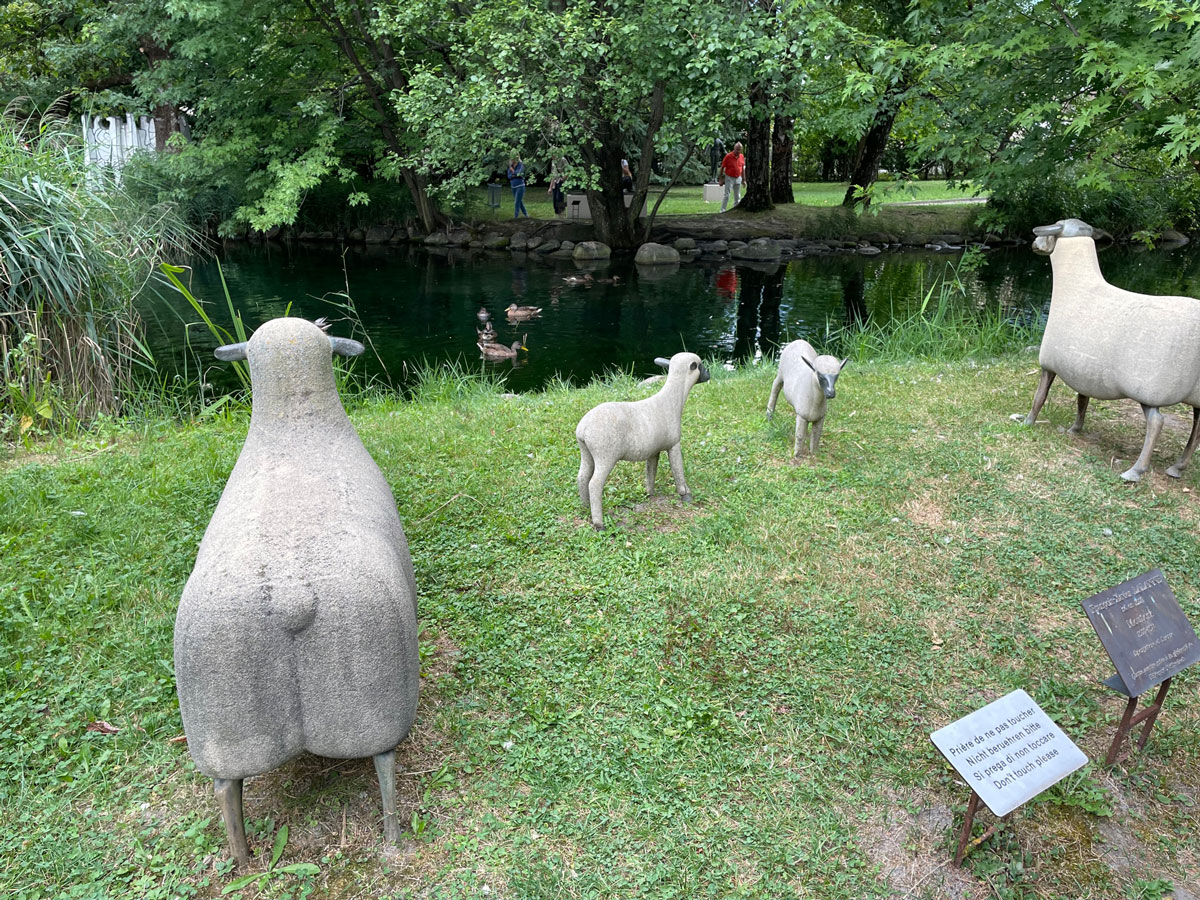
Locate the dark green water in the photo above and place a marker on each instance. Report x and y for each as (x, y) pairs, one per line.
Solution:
(420, 306)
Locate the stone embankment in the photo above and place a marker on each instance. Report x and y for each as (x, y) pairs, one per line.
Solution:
(669, 242)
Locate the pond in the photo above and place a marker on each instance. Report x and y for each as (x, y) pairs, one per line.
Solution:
(419, 306)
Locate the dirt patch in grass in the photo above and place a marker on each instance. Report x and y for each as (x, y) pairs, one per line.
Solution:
(913, 850)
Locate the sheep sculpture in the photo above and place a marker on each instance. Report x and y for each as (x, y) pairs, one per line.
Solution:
(297, 630)
(808, 382)
(637, 431)
(1110, 343)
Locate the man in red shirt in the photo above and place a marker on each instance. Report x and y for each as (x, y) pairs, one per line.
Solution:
(733, 166)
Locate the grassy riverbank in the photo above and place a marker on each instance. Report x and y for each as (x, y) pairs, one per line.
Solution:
(688, 199)
(731, 698)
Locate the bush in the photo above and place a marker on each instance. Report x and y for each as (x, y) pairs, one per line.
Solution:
(1157, 198)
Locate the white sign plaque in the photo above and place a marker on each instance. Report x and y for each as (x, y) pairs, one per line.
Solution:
(1009, 751)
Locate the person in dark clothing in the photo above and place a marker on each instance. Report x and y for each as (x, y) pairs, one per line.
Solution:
(516, 180)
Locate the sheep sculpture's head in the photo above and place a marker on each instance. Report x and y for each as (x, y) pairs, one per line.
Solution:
(1048, 235)
(827, 369)
(289, 360)
(684, 364)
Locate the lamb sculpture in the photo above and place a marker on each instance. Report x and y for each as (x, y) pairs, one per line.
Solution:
(1110, 343)
(808, 382)
(637, 431)
(297, 629)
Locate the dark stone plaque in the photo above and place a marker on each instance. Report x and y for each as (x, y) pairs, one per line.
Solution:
(1144, 632)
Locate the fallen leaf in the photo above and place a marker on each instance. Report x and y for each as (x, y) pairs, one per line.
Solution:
(178, 739)
(103, 727)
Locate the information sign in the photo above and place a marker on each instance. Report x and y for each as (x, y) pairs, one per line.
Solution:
(1144, 632)
(1009, 751)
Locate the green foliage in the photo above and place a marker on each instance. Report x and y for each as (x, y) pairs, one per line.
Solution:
(74, 252)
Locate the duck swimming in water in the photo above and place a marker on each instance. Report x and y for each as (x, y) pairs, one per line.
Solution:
(492, 350)
(521, 313)
(583, 279)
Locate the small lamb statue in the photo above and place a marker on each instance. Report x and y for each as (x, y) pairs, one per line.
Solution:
(1110, 343)
(297, 630)
(808, 382)
(637, 431)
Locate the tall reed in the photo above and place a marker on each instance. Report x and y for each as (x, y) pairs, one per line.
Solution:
(75, 250)
(945, 327)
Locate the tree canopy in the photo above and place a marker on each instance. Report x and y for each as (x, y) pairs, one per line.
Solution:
(1028, 99)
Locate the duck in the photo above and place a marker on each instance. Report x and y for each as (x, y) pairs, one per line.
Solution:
(520, 313)
(616, 279)
(492, 350)
(483, 315)
(487, 333)
(585, 278)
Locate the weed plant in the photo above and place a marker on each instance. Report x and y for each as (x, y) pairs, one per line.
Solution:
(729, 698)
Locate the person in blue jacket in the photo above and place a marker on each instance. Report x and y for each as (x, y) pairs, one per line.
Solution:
(516, 180)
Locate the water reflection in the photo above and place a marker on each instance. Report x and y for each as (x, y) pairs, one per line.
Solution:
(421, 306)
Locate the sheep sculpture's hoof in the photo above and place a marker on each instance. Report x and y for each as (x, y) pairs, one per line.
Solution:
(685, 498)
(1175, 472)
(1132, 475)
(597, 527)
(1019, 417)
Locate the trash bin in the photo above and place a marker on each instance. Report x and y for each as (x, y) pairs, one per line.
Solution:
(494, 196)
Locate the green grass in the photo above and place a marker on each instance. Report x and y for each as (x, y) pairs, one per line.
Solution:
(689, 199)
(731, 698)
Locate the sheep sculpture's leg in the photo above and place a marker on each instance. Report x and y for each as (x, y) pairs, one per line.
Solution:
(814, 439)
(1039, 396)
(675, 458)
(1185, 457)
(651, 473)
(229, 799)
(1154, 424)
(1081, 405)
(801, 432)
(385, 768)
(587, 465)
(596, 490)
(775, 389)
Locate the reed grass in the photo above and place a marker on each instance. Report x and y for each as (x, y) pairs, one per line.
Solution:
(946, 327)
(75, 250)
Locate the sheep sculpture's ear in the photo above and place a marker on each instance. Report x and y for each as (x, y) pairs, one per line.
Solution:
(345, 347)
(231, 352)
(842, 364)
(808, 363)
(660, 361)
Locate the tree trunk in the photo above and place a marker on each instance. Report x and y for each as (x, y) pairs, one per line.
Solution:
(166, 115)
(870, 152)
(611, 220)
(757, 197)
(781, 161)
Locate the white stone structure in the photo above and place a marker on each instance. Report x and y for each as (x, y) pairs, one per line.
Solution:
(110, 141)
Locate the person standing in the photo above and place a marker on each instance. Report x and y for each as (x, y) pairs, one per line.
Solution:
(733, 166)
(516, 180)
(626, 177)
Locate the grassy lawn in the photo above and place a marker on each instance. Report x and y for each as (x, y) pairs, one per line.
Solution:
(728, 699)
(689, 199)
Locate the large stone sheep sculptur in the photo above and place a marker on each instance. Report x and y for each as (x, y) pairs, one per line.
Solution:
(637, 431)
(297, 630)
(1110, 343)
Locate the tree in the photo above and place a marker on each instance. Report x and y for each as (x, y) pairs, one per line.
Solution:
(594, 83)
